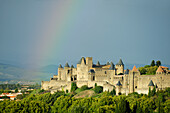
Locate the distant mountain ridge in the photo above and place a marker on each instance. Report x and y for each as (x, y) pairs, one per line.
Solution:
(10, 72)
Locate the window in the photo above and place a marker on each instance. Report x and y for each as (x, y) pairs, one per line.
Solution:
(93, 77)
(75, 77)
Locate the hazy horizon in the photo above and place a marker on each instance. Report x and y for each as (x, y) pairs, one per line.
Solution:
(40, 32)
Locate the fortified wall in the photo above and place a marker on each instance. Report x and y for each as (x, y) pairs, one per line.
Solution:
(108, 75)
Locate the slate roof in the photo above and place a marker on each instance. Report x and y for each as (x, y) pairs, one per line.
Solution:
(112, 67)
(67, 65)
(107, 63)
(120, 62)
(151, 83)
(72, 66)
(127, 71)
(91, 70)
(134, 68)
(98, 63)
(81, 60)
(119, 84)
(60, 66)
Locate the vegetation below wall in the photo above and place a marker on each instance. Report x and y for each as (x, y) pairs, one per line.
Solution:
(104, 103)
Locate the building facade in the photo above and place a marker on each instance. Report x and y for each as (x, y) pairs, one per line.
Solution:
(108, 75)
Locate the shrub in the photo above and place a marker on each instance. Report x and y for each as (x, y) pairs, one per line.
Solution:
(113, 92)
(98, 89)
(66, 90)
(85, 87)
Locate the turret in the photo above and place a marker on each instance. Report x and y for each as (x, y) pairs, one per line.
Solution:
(60, 68)
(89, 62)
(82, 61)
(120, 67)
(112, 66)
(66, 65)
(132, 79)
(107, 63)
(72, 66)
(126, 76)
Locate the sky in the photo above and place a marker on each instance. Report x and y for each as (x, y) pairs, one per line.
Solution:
(42, 32)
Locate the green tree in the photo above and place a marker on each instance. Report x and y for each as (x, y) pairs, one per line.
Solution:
(113, 92)
(142, 70)
(73, 86)
(98, 89)
(122, 105)
(153, 91)
(138, 109)
(150, 92)
(20, 97)
(85, 87)
(16, 90)
(153, 63)
(158, 63)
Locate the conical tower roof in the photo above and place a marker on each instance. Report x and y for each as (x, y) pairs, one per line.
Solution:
(72, 66)
(151, 83)
(127, 71)
(134, 69)
(98, 63)
(120, 62)
(67, 65)
(60, 66)
(112, 67)
(119, 84)
(107, 63)
(81, 60)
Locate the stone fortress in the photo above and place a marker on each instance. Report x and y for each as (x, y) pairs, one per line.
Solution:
(109, 76)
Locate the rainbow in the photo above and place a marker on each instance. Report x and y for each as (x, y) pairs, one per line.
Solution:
(55, 30)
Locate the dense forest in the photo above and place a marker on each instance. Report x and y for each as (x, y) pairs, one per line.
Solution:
(105, 102)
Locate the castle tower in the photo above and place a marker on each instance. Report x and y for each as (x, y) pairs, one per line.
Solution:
(67, 72)
(120, 67)
(89, 62)
(118, 88)
(126, 78)
(60, 68)
(132, 80)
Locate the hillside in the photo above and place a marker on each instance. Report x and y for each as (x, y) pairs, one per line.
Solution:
(86, 93)
(14, 73)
